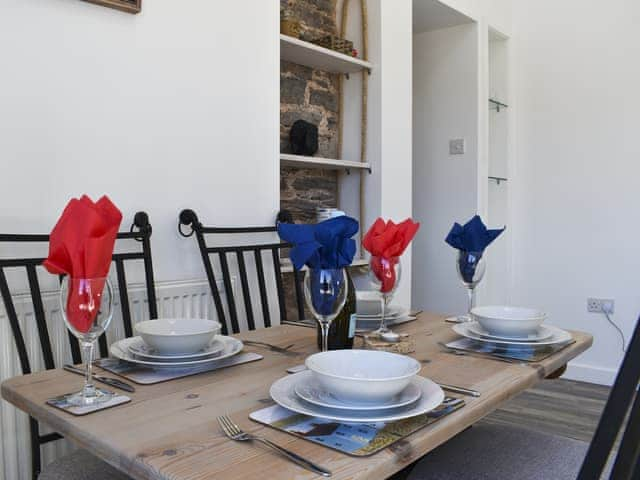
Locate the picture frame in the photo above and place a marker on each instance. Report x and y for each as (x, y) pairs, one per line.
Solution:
(129, 6)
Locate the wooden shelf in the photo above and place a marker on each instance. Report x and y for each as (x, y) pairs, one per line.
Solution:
(314, 56)
(287, 267)
(289, 160)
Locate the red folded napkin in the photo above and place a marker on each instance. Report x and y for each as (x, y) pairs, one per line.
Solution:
(387, 241)
(80, 246)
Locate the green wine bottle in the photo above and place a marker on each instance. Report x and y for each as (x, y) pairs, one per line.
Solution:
(343, 328)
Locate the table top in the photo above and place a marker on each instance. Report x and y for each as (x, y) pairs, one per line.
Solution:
(169, 430)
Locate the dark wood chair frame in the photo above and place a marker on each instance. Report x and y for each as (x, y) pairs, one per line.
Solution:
(140, 231)
(189, 224)
(623, 399)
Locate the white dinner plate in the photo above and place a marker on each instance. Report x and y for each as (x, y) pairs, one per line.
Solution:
(283, 393)
(558, 336)
(542, 333)
(393, 311)
(309, 390)
(145, 352)
(120, 350)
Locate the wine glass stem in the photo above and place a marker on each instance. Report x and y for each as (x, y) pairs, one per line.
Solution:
(383, 311)
(89, 388)
(472, 298)
(324, 327)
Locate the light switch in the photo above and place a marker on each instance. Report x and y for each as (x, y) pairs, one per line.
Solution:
(456, 146)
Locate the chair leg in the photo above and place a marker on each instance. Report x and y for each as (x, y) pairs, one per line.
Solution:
(35, 449)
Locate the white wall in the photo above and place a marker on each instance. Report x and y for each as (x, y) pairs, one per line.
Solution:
(445, 106)
(174, 107)
(388, 187)
(577, 151)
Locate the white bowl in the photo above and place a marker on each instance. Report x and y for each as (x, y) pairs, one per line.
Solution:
(368, 303)
(509, 321)
(363, 376)
(177, 335)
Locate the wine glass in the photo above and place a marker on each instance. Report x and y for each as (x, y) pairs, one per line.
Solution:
(384, 274)
(87, 309)
(325, 290)
(471, 267)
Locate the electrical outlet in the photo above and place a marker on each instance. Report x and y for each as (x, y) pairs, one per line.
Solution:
(456, 146)
(599, 305)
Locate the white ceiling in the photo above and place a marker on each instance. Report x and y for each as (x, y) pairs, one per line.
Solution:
(431, 15)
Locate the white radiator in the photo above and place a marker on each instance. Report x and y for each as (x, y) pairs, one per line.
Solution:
(188, 299)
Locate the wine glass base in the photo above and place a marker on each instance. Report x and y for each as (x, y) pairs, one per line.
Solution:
(459, 319)
(99, 396)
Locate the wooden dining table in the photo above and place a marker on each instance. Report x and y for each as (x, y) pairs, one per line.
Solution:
(170, 430)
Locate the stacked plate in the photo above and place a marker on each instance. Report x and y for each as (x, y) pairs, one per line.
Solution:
(176, 343)
(369, 315)
(511, 326)
(358, 386)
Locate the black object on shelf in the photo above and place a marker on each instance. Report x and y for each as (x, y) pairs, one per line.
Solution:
(498, 104)
(498, 179)
(303, 138)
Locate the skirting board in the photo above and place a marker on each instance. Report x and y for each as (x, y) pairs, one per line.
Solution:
(590, 373)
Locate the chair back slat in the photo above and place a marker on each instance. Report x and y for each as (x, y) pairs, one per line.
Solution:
(41, 322)
(188, 218)
(264, 301)
(611, 422)
(74, 344)
(231, 303)
(279, 285)
(297, 281)
(15, 325)
(246, 295)
(124, 298)
(211, 278)
(141, 218)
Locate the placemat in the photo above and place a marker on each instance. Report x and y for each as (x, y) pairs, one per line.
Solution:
(523, 353)
(148, 375)
(62, 403)
(356, 439)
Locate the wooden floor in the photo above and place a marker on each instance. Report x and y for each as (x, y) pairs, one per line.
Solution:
(558, 407)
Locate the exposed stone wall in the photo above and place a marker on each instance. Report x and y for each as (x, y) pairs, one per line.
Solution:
(310, 95)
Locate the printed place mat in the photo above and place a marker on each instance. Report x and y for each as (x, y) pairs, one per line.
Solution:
(356, 439)
(144, 375)
(523, 353)
(62, 403)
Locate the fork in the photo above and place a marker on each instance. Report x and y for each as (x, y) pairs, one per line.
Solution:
(234, 432)
(273, 348)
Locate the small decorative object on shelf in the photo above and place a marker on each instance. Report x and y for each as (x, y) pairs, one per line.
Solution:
(289, 25)
(129, 6)
(303, 138)
(333, 42)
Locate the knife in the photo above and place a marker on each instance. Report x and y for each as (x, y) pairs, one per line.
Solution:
(114, 382)
(462, 390)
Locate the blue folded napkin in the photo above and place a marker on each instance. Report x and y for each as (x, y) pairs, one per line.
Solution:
(473, 236)
(326, 244)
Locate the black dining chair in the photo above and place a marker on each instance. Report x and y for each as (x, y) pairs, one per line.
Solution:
(239, 255)
(140, 231)
(505, 452)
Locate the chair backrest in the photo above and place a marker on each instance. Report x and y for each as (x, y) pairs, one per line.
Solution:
(189, 224)
(140, 231)
(622, 396)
